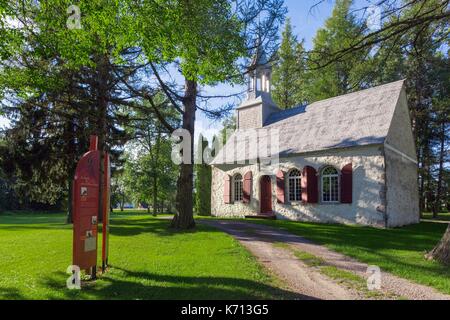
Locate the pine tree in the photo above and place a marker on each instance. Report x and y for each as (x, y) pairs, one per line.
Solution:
(289, 71)
(336, 77)
(416, 55)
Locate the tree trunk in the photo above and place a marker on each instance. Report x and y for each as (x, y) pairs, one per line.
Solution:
(441, 252)
(184, 218)
(426, 176)
(72, 152)
(102, 127)
(122, 203)
(155, 171)
(155, 197)
(70, 200)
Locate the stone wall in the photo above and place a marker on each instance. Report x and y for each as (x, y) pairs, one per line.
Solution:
(402, 195)
(239, 209)
(368, 188)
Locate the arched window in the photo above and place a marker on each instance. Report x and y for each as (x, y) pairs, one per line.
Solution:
(294, 185)
(238, 188)
(330, 185)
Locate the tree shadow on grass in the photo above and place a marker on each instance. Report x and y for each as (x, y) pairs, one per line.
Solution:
(23, 227)
(132, 285)
(11, 294)
(420, 237)
(128, 228)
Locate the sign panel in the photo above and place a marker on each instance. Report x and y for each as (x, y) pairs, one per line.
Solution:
(86, 208)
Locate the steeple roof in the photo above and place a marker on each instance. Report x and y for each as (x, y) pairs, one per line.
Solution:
(260, 58)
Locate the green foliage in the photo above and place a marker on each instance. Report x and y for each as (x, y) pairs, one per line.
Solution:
(418, 56)
(204, 36)
(202, 181)
(51, 78)
(344, 75)
(90, 77)
(229, 126)
(288, 78)
(119, 196)
(142, 169)
(149, 175)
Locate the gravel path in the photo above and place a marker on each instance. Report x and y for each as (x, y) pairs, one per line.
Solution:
(260, 239)
(435, 221)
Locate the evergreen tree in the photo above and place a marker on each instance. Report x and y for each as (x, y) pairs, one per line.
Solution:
(229, 126)
(202, 181)
(416, 55)
(289, 71)
(329, 79)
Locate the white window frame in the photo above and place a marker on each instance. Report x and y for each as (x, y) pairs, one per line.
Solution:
(297, 180)
(329, 177)
(238, 188)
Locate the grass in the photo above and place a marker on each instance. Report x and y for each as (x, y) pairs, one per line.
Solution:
(354, 281)
(309, 259)
(148, 262)
(135, 212)
(441, 216)
(399, 251)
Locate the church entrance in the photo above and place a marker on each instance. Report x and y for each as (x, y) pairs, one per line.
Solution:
(266, 195)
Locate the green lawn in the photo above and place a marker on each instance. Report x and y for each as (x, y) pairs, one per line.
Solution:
(399, 251)
(148, 262)
(441, 216)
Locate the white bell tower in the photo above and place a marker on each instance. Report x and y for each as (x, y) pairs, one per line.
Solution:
(260, 77)
(253, 112)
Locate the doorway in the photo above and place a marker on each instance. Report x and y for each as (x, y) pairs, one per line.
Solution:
(266, 195)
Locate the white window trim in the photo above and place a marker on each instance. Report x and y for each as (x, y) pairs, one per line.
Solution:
(322, 176)
(234, 188)
(289, 178)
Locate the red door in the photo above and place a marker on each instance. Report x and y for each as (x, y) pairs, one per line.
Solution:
(266, 195)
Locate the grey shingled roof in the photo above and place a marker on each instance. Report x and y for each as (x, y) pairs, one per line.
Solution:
(355, 119)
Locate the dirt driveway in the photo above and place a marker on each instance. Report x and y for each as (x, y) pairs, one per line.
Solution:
(279, 251)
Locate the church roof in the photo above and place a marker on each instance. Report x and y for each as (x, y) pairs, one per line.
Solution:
(354, 119)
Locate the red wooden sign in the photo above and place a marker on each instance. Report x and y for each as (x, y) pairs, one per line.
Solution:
(86, 208)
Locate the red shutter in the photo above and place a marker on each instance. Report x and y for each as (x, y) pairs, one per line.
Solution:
(227, 189)
(280, 187)
(347, 183)
(304, 185)
(309, 185)
(247, 192)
